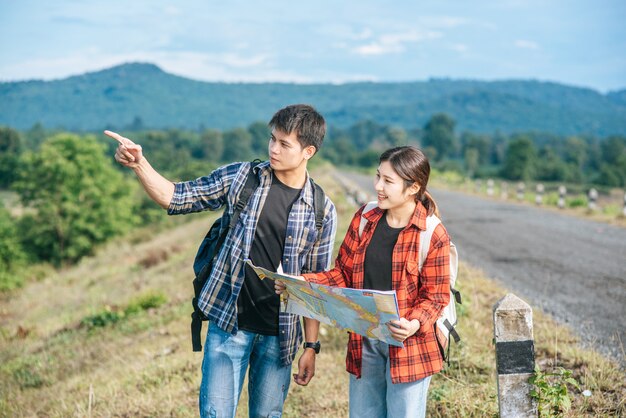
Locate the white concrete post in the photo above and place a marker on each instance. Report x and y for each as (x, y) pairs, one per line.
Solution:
(539, 195)
(593, 196)
(479, 186)
(624, 204)
(520, 190)
(515, 356)
(504, 190)
(562, 193)
(490, 185)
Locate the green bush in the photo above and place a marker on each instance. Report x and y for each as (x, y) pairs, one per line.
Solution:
(576, 202)
(76, 197)
(12, 255)
(110, 316)
(144, 302)
(551, 392)
(101, 319)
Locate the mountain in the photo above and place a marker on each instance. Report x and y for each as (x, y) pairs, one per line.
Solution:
(116, 96)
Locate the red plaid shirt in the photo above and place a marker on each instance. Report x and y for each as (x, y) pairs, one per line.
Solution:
(420, 296)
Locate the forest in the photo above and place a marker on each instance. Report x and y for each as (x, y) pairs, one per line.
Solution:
(62, 193)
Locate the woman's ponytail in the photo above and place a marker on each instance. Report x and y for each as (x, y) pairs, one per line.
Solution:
(430, 204)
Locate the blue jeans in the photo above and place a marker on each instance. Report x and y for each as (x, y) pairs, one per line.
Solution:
(374, 395)
(226, 360)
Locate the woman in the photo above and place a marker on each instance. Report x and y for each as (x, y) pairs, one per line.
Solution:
(389, 381)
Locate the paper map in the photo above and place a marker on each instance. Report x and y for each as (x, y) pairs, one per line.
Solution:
(364, 312)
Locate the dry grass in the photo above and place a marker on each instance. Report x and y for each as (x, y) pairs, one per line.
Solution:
(143, 366)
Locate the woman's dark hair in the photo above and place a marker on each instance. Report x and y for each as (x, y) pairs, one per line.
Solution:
(413, 167)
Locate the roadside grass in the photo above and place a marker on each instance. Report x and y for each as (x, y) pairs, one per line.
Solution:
(141, 364)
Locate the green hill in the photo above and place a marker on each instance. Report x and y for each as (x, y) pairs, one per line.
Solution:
(116, 96)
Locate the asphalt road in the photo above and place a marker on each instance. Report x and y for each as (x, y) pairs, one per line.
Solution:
(573, 269)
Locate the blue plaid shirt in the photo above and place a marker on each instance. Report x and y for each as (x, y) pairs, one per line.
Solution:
(304, 250)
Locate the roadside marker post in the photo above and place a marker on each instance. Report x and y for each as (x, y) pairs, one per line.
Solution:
(515, 356)
(520, 191)
(562, 193)
(490, 184)
(593, 197)
(539, 196)
(504, 190)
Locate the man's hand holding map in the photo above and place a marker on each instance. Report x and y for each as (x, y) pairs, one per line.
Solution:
(365, 312)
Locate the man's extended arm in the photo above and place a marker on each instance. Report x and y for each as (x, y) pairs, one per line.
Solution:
(158, 187)
(130, 155)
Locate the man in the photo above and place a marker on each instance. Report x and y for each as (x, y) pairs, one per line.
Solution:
(275, 230)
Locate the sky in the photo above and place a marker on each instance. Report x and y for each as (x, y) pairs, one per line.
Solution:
(575, 42)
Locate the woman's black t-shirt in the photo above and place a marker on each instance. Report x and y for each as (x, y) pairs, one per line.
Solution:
(378, 256)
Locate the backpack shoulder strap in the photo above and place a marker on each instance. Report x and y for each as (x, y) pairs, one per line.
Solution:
(252, 182)
(425, 236)
(368, 207)
(319, 204)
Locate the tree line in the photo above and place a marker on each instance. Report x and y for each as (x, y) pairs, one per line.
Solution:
(72, 195)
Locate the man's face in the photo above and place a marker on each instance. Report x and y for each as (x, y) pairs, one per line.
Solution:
(285, 151)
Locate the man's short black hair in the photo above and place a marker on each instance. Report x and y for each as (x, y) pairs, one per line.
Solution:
(309, 125)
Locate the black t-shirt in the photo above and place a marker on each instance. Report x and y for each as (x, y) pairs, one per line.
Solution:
(258, 304)
(378, 256)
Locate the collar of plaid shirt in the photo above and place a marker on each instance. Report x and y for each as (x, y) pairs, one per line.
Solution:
(418, 218)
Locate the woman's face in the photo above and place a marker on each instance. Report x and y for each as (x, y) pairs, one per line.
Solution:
(390, 189)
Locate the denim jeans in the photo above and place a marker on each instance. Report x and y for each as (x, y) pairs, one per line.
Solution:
(373, 395)
(226, 360)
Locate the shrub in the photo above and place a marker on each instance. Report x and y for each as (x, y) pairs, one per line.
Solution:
(12, 255)
(550, 391)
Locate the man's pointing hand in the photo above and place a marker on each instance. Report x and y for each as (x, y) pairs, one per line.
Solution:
(128, 153)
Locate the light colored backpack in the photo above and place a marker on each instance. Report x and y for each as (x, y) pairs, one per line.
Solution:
(448, 319)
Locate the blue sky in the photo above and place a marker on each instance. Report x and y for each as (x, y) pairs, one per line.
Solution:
(574, 42)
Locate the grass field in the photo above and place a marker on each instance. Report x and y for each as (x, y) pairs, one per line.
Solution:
(110, 337)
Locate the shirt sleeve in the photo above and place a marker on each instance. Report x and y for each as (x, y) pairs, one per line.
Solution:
(434, 287)
(341, 274)
(205, 193)
(320, 255)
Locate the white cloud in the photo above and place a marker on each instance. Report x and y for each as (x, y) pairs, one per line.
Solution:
(459, 48)
(227, 67)
(213, 66)
(362, 35)
(525, 44)
(394, 43)
(443, 21)
(172, 11)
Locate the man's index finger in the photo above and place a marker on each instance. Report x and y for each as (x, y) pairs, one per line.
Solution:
(119, 138)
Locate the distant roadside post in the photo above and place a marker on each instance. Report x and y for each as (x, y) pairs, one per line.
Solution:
(624, 210)
(520, 191)
(593, 197)
(504, 190)
(515, 356)
(490, 184)
(562, 193)
(539, 196)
